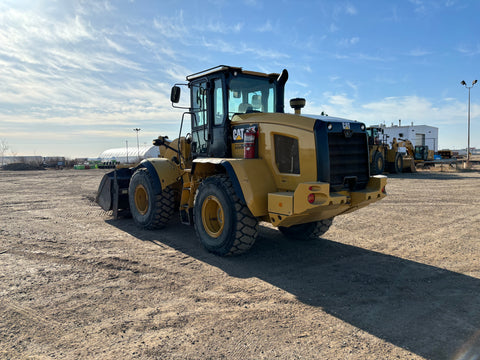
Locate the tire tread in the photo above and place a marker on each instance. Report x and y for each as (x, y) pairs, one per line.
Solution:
(246, 229)
(163, 206)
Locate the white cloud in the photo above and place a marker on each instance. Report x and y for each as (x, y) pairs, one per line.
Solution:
(118, 48)
(171, 27)
(445, 112)
(334, 78)
(468, 49)
(419, 6)
(243, 48)
(343, 8)
(333, 28)
(222, 28)
(267, 27)
(349, 41)
(350, 9)
(361, 56)
(341, 100)
(352, 86)
(448, 114)
(307, 68)
(418, 52)
(253, 3)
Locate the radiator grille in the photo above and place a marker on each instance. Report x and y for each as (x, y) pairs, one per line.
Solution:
(348, 159)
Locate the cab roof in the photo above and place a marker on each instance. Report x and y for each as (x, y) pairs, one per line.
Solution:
(226, 68)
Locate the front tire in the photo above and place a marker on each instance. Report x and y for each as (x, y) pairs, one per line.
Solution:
(308, 231)
(150, 209)
(223, 222)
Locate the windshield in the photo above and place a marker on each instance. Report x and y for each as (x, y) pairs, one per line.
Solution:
(248, 94)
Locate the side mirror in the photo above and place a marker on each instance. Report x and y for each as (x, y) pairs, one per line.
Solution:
(175, 94)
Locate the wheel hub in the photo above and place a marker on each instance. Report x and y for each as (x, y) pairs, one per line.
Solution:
(141, 199)
(213, 216)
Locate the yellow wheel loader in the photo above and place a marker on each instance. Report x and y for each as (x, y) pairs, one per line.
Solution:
(246, 161)
(395, 159)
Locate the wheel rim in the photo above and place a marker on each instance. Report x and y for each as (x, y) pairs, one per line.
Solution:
(141, 199)
(213, 216)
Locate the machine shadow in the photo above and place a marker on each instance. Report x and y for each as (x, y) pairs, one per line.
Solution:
(431, 175)
(429, 311)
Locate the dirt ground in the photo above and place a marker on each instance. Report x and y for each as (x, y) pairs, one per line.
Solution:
(399, 279)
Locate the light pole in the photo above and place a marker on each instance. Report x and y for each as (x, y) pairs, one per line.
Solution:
(138, 148)
(468, 145)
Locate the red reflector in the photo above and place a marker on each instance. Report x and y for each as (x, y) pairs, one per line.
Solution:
(311, 198)
(383, 190)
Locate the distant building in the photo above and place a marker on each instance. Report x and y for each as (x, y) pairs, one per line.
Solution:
(130, 155)
(54, 161)
(419, 135)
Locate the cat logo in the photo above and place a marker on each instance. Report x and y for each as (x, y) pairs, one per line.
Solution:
(238, 134)
(239, 131)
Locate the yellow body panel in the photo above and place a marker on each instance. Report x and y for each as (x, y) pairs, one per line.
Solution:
(280, 203)
(292, 208)
(253, 176)
(168, 172)
(295, 126)
(290, 120)
(177, 144)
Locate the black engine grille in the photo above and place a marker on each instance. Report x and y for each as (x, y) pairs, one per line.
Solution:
(348, 160)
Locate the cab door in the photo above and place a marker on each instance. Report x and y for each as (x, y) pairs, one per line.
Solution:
(219, 145)
(199, 101)
(209, 119)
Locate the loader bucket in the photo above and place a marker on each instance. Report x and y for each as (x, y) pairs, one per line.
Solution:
(114, 189)
(409, 165)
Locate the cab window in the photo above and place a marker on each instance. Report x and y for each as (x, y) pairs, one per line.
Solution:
(199, 104)
(218, 111)
(246, 95)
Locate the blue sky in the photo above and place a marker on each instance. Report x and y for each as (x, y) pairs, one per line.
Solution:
(78, 76)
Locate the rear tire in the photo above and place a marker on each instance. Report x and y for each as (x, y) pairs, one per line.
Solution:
(223, 222)
(378, 163)
(397, 166)
(308, 231)
(150, 209)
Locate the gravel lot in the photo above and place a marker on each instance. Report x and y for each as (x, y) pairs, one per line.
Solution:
(399, 279)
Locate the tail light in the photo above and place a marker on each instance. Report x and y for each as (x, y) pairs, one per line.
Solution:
(311, 198)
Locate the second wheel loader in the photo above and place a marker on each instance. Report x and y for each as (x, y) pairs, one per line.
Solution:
(395, 158)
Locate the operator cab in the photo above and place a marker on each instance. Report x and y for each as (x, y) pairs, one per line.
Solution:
(218, 94)
(375, 135)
